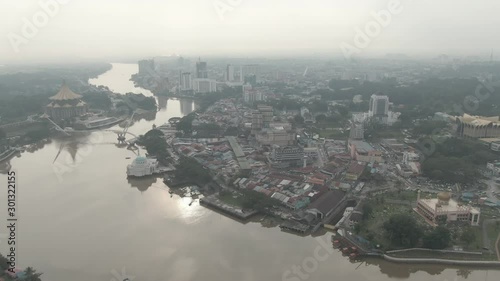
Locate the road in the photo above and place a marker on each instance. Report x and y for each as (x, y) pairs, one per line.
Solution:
(486, 239)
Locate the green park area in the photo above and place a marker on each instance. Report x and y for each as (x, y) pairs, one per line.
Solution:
(390, 223)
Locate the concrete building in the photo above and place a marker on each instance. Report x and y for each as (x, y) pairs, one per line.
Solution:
(286, 156)
(307, 115)
(204, 85)
(275, 136)
(478, 126)
(379, 105)
(410, 157)
(65, 104)
(443, 209)
(494, 167)
(355, 170)
(229, 73)
(363, 151)
(201, 70)
(186, 81)
(326, 204)
(495, 146)
(357, 131)
(250, 96)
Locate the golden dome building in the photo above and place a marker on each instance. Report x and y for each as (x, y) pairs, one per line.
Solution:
(445, 209)
(65, 104)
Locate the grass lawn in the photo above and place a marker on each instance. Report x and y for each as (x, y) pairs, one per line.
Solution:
(493, 232)
(373, 228)
(408, 195)
(231, 199)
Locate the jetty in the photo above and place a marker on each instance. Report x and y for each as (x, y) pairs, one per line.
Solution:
(214, 202)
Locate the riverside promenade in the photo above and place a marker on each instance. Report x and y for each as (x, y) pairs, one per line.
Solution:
(214, 202)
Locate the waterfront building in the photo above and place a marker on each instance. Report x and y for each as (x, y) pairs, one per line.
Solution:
(325, 205)
(478, 126)
(186, 81)
(363, 151)
(65, 104)
(204, 85)
(444, 209)
(142, 166)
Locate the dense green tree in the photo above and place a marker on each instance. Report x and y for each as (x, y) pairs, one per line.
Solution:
(155, 144)
(402, 230)
(468, 236)
(189, 168)
(32, 275)
(367, 210)
(3, 263)
(438, 238)
(186, 123)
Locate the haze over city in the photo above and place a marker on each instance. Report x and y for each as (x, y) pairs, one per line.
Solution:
(292, 140)
(90, 30)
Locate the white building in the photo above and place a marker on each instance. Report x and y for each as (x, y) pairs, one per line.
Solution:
(357, 131)
(379, 105)
(229, 73)
(443, 209)
(495, 146)
(142, 166)
(186, 81)
(410, 157)
(204, 85)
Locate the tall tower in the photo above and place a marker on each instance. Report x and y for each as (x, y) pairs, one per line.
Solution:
(201, 69)
(230, 73)
(379, 105)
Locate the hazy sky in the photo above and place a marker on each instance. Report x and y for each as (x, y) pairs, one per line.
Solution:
(110, 29)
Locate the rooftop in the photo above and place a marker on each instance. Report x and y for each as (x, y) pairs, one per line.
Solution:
(65, 93)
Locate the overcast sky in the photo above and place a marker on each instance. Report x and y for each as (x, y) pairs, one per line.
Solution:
(110, 29)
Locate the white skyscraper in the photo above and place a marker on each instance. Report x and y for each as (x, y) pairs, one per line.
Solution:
(379, 105)
(230, 73)
(186, 81)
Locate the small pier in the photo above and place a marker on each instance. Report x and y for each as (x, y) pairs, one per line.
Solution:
(214, 202)
(293, 226)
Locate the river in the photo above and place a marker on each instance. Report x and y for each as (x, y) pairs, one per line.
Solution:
(80, 219)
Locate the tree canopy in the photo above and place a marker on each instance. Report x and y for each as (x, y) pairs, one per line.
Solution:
(403, 230)
(438, 238)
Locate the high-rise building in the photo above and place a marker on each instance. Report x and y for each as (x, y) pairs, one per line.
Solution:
(357, 131)
(229, 73)
(201, 69)
(379, 105)
(204, 85)
(186, 81)
(261, 118)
